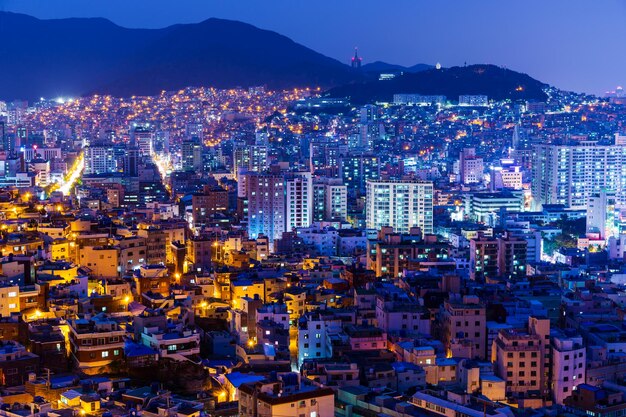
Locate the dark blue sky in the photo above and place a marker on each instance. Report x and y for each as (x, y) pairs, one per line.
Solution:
(573, 44)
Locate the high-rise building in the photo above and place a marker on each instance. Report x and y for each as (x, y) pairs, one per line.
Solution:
(131, 162)
(601, 215)
(298, 200)
(252, 158)
(266, 205)
(192, 155)
(504, 256)
(356, 169)
(571, 174)
(401, 204)
(143, 138)
(330, 199)
(100, 159)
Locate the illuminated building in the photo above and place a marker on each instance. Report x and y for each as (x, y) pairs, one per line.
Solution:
(298, 200)
(470, 167)
(355, 170)
(266, 205)
(192, 155)
(100, 159)
(400, 204)
(521, 357)
(465, 319)
(571, 174)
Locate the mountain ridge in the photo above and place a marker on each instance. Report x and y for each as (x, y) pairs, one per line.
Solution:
(78, 56)
(81, 56)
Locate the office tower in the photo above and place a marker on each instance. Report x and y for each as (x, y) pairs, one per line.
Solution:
(143, 138)
(521, 357)
(266, 205)
(470, 167)
(100, 159)
(258, 161)
(324, 156)
(261, 138)
(336, 201)
(356, 170)
(241, 158)
(489, 207)
(571, 174)
(400, 204)
(131, 162)
(298, 200)
(192, 155)
(601, 215)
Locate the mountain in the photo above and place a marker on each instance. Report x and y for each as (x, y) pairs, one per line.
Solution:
(496, 82)
(380, 66)
(73, 57)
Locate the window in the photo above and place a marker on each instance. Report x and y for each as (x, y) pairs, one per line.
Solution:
(105, 354)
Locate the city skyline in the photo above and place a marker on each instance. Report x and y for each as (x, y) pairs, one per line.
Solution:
(213, 220)
(406, 33)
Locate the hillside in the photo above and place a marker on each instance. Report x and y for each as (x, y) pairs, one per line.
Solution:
(496, 82)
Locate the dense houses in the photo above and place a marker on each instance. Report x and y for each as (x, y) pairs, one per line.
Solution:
(260, 253)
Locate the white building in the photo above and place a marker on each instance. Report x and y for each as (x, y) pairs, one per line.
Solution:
(601, 215)
(176, 345)
(471, 167)
(298, 200)
(330, 199)
(570, 174)
(314, 334)
(100, 160)
(401, 204)
(282, 398)
(144, 138)
(568, 365)
(41, 169)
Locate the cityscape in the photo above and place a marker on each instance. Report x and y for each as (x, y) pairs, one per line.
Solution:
(362, 239)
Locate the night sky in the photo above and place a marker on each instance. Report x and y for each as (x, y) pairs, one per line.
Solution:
(572, 44)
